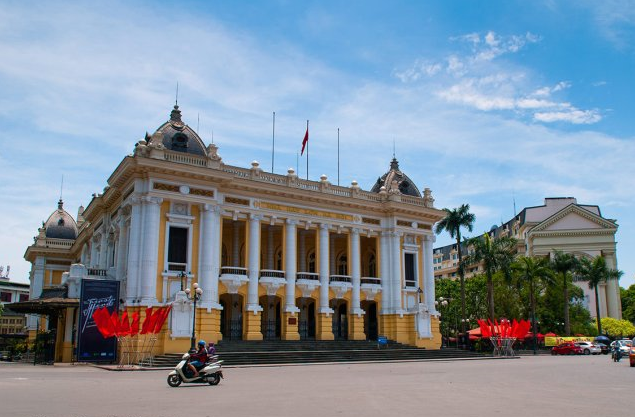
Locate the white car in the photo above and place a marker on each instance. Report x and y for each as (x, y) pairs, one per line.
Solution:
(589, 348)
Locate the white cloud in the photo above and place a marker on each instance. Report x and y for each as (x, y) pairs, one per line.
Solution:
(574, 116)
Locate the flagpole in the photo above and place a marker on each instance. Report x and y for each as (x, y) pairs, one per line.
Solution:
(338, 156)
(273, 141)
(307, 152)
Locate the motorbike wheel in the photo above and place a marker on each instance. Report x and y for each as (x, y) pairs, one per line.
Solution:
(213, 379)
(174, 380)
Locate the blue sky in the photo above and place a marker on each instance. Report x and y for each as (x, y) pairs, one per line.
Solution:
(485, 102)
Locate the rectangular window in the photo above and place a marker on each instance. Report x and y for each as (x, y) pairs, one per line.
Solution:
(24, 297)
(177, 249)
(410, 270)
(5, 297)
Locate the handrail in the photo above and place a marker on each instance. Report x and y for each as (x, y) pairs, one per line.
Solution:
(271, 273)
(370, 280)
(309, 276)
(340, 278)
(233, 270)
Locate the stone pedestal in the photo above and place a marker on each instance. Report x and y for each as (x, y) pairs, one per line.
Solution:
(252, 329)
(324, 327)
(356, 327)
(289, 329)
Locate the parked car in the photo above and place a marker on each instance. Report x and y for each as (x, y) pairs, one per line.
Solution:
(603, 347)
(631, 357)
(566, 348)
(625, 346)
(589, 348)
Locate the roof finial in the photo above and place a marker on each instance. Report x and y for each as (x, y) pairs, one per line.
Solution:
(60, 203)
(393, 149)
(176, 102)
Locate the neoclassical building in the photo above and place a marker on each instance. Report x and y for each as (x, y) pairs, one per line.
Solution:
(559, 224)
(277, 256)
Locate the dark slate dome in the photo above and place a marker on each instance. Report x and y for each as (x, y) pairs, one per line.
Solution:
(60, 224)
(405, 184)
(179, 137)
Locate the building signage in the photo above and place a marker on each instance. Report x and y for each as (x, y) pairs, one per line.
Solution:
(91, 345)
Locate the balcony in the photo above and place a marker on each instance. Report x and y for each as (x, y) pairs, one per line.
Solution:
(307, 282)
(371, 286)
(340, 284)
(272, 280)
(233, 277)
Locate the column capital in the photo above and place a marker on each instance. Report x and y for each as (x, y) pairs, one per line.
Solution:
(148, 199)
(430, 238)
(255, 217)
(355, 231)
(291, 222)
(325, 226)
(214, 208)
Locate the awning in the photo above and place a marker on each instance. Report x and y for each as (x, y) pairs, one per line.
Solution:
(44, 306)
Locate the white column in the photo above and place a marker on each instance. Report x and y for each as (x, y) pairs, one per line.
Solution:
(134, 251)
(355, 271)
(149, 257)
(290, 265)
(270, 248)
(207, 255)
(216, 242)
(395, 263)
(302, 250)
(37, 283)
(428, 273)
(236, 243)
(103, 245)
(122, 249)
(254, 263)
(94, 254)
(613, 301)
(324, 269)
(384, 273)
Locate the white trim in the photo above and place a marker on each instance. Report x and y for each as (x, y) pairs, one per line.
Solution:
(189, 228)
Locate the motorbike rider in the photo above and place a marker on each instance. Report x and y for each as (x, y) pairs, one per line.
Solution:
(617, 352)
(199, 358)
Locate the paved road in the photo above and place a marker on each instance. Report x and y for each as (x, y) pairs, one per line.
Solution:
(530, 386)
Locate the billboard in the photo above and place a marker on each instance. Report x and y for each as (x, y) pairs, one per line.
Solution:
(555, 341)
(91, 345)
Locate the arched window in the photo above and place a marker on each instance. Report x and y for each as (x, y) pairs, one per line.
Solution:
(224, 257)
(342, 264)
(310, 261)
(278, 260)
(371, 264)
(179, 142)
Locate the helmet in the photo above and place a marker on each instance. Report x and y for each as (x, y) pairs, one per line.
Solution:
(201, 343)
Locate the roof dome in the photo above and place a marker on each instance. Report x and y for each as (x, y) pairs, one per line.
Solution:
(60, 224)
(179, 137)
(405, 184)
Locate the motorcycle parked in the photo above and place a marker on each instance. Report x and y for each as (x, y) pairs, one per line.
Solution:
(211, 372)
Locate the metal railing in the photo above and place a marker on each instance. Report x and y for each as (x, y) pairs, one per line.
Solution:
(371, 280)
(340, 278)
(271, 273)
(233, 270)
(309, 276)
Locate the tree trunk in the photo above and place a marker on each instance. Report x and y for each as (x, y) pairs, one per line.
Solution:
(597, 310)
(532, 300)
(490, 296)
(565, 291)
(462, 279)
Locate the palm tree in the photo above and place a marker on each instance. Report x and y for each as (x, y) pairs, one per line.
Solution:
(496, 255)
(452, 223)
(533, 270)
(563, 264)
(595, 272)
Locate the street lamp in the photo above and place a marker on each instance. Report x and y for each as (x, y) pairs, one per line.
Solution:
(183, 277)
(419, 294)
(198, 291)
(442, 302)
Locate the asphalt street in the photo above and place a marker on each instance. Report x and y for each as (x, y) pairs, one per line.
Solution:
(529, 386)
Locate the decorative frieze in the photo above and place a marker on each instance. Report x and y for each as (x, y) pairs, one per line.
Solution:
(299, 210)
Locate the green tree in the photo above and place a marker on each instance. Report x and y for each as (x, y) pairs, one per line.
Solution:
(564, 264)
(627, 297)
(595, 272)
(496, 255)
(528, 272)
(454, 220)
(618, 328)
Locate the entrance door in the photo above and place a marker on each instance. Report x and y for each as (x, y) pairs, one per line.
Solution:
(340, 320)
(370, 319)
(306, 322)
(270, 319)
(231, 316)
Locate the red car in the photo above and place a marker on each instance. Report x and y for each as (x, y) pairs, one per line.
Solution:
(566, 348)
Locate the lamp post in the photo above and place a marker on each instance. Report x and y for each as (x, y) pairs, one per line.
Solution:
(198, 291)
(183, 277)
(419, 294)
(442, 302)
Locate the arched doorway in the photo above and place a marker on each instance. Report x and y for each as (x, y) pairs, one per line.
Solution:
(306, 322)
(231, 316)
(370, 319)
(270, 320)
(340, 319)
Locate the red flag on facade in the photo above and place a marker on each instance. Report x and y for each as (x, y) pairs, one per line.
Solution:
(125, 324)
(162, 317)
(148, 325)
(305, 140)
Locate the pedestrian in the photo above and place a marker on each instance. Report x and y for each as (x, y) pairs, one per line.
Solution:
(211, 349)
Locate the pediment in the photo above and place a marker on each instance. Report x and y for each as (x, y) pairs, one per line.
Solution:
(574, 217)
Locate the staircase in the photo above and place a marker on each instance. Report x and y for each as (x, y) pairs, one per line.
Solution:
(270, 352)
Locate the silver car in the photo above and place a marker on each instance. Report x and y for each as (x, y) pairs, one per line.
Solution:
(589, 348)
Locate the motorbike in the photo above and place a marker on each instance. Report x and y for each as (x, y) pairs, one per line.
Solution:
(617, 355)
(211, 373)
